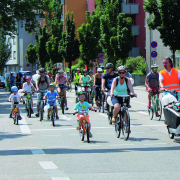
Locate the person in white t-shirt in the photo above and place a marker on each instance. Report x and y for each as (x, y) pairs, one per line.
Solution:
(15, 97)
(27, 87)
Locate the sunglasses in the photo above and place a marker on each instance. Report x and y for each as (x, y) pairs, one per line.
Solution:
(81, 97)
(155, 68)
(41, 72)
(121, 72)
(107, 68)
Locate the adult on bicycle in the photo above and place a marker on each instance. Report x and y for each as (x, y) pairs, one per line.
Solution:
(120, 86)
(97, 84)
(42, 84)
(85, 80)
(169, 77)
(77, 78)
(107, 79)
(61, 80)
(92, 82)
(152, 82)
(11, 79)
(18, 81)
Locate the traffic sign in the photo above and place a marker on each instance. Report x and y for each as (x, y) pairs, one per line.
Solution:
(153, 44)
(100, 55)
(154, 54)
(100, 60)
(59, 65)
(27, 65)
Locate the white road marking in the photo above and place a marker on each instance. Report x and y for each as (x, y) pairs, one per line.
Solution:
(64, 117)
(70, 101)
(23, 126)
(37, 151)
(103, 114)
(106, 133)
(48, 165)
(122, 145)
(142, 112)
(154, 144)
(58, 147)
(139, 102)
(60, 178)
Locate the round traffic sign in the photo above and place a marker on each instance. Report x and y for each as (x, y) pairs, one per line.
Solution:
(27, 65)
(153, 44)
(100, 55)
(100, 60)
(154, 54)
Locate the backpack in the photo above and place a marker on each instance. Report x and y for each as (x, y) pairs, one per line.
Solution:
(151, 76)
(126, 80)
(39, 79)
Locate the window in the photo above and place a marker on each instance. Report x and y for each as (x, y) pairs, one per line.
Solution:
(10, 56)
(14, 54)
(14, 40)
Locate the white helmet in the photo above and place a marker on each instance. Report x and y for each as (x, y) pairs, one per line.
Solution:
(109, 101)
(121, 68)
(99, 70)
(168, 99)
(154, 66)
(132, 80)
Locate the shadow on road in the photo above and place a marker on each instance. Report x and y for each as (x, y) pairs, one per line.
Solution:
(4, 135)
(142, 139)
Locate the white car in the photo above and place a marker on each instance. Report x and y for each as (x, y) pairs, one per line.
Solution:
(2, 82)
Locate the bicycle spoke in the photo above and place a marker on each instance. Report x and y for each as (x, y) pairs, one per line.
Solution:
(126, 124)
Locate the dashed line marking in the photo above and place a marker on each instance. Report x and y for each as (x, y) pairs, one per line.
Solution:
(23, 126)
(155, 144)
(48, 165)
(60, 178)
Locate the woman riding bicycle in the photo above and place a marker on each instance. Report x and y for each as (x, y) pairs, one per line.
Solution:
(61, 80)
(97, 84)
(120, 86)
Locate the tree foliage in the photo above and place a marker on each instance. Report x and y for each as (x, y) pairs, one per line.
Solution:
(13, 10)
(165, 17)
(5, 50)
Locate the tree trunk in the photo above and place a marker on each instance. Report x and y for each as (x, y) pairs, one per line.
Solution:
(174, 59)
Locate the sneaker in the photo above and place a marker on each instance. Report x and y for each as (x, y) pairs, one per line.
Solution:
(129, 106)
(90, 135)
(66, 108)
(37, 114)
(113, 119)
(157, 114)
(10, 115)
(149, 104)
(57, 117)
(23, 102)
(106, 107)
(48, 117)
(19, 117)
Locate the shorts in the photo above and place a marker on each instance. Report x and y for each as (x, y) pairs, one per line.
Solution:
(97, 91)
(154, 89)
(61, 86)
(118, 100)
(13, 105)
(39, 97)
(76, 86)
(49, 104)
(87, 116)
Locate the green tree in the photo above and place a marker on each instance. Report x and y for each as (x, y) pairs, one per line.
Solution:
(165, 16)
(13, 11)
(31, 54)
(70, 46)
(5, 50)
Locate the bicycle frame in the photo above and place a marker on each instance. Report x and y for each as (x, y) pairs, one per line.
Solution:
(153, 100)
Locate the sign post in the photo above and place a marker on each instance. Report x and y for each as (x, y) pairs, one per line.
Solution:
(154, 53)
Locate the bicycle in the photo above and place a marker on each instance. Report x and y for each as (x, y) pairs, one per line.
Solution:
(99, 97)
(15, 113)
(28, 104)
(156, 106)
(104, 95)
(85, 127)
(123, 117)
(62, 102)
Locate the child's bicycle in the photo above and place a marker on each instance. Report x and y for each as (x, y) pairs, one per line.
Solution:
(28, 104)
(15, 115)
(85, 127)
(156, 106)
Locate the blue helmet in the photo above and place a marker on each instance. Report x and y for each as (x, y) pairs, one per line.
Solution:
(14, 88)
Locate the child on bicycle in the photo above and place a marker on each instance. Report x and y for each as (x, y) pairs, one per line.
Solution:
(51, 95)
(82, 106)
(15, 97)
(27, 86)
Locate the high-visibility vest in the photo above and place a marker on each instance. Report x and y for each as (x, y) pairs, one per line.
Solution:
(77, 77)
(171, 81)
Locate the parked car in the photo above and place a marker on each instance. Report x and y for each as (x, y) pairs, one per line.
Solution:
(2, 82)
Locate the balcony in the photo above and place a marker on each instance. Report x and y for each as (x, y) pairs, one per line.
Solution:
(134, 52)
(136, 30)
(130, 8)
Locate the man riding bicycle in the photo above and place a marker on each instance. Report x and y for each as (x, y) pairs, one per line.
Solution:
(91, 83)
(152, 82)
(120, 86)
(107, 79)
(11, 79)
(169, 77)
(77, 78)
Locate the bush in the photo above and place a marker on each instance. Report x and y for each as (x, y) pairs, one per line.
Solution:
(136, 65)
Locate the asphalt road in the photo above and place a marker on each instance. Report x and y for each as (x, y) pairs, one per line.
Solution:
(35, 150)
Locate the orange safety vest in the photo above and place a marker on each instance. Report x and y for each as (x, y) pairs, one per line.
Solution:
(171, 81)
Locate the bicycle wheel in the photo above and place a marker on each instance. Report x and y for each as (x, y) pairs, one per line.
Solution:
(81, 134)
(125, 124)
(62, 104)
(41, 110)
(171, 135)
(53, 116)
(99, 105)
(87, 132)
(118, 126)
(16, 119)
(29, 108)
(102, 102)
(158, 109)
(110, 115)
(150, 112)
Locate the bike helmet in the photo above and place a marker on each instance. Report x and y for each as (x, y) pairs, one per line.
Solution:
(90, 71)
(81, 92)
(84, 71)
(109, 65)
(14, 88)
(99, 70)
(61, 71)
(67, 71)
(78, 69)
(53, 84)
(41, 70)
(154, 66)
(121, 68)
(102, 67)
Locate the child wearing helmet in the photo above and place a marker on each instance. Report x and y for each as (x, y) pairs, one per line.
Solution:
(51, 95)
(27, 87)
(80, 106)
(15, 97)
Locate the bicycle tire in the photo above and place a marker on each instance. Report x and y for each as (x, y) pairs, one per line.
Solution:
(17, 120)
(41, 111)
(14, 120)
(87, 132)
(118, 126)
(171, 135)
(158, 109)
(99, 105)
(29, 109)
(150, 112)
(125, 125)
(102, 100)
(62, 104)
(53, 117)
(81, 135)
(110, 115)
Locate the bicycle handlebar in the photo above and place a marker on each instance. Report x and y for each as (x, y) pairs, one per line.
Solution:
(131, 95)
(83, 111)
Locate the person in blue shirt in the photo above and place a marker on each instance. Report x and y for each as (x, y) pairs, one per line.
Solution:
(11, 79)
(51, 95)
(128, 75)
(82, 105)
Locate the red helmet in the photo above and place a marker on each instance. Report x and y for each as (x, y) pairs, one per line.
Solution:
(78, 69)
